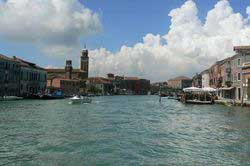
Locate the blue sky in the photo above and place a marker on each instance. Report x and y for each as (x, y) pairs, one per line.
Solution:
(124, 22)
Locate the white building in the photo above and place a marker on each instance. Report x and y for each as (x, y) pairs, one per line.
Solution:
(205, 78)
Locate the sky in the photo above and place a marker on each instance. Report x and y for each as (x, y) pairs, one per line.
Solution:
(153, 39)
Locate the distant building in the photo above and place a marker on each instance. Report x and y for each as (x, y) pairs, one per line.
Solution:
(80, 73)
(240, 72)
(246, 81)
(33, 79)
(9, 76)
(225, 73)
(135, 85)
(111, 76)
(236, 75)
(226, 90)
(119, 85)
(197, 81)
(20, 77)
(215, 80)
(205, 78)
(99, 85)
(68, 86)
(180, 82)
(70, 81)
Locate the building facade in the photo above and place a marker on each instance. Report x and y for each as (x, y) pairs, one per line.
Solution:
(68, 86)
(180, 82)
(246, 81)
(33, 79)
(71, 81)
(99, 85)
(240, 71)
(9, 76)
(214, 75)
(197, 81)
(20, 77)
(205, 78)
(80, 73)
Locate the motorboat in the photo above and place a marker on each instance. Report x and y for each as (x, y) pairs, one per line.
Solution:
(195, 101)
(80, 100)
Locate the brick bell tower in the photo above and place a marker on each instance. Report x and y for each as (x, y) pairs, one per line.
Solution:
(84, 61)
(68, 69)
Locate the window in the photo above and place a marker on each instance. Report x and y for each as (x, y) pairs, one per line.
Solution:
(21, 75)
(239, 93)
(239, 62)
(239, 76)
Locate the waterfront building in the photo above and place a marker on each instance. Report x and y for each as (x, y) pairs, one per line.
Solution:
(226, 90)
(236, 77)
(67, 82)
(120, 85)
(68, 86)
(240, 72)
(214, 75)
(80, 73)
(246, 81)
(99, 85)
(144, 87)
(20, 77)
(157, 87)
(111, 76)
(134, 85)
(71, 81)
(197, 80)
(33, 78)
(9, 76)
(205, 78)
(180, 82)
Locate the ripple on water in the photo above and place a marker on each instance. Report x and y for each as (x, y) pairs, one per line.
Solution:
(123, 130)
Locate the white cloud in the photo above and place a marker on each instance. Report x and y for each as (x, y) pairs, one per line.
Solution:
(54, 25)
(188, 47)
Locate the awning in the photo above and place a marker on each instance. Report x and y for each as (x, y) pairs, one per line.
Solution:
(228, 88)
(195, 89)
(192, 89)
(208, 89)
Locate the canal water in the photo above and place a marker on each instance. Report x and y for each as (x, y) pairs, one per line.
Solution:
(123, 130)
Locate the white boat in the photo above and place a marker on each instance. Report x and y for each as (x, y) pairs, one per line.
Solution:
(80, 100)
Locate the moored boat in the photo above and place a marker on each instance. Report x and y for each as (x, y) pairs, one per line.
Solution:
(10, 98)
(195, 101)
(194, 95)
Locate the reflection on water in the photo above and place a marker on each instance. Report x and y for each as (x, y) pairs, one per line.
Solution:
(123, 130)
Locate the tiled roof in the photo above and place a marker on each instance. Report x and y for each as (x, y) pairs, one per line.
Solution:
(5, 57)
(131, 78)
(98, 80)
(61, 70)
(55, 70)
(241, 48)
(27, 63)
(62, 78)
